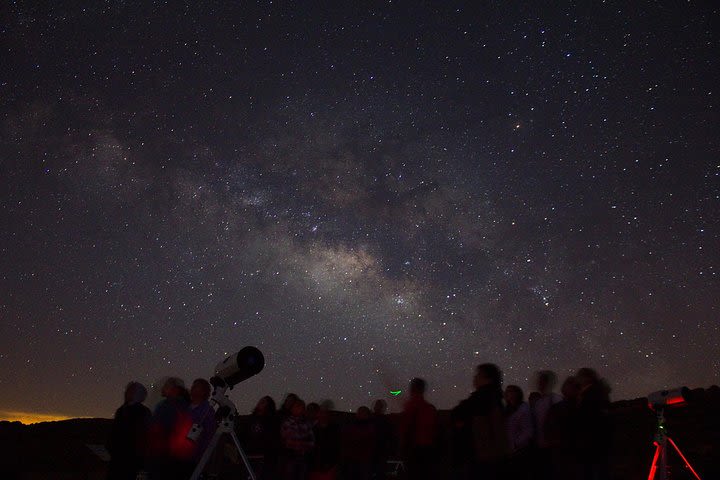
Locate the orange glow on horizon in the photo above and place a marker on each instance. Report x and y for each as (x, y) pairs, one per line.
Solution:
(28, 418)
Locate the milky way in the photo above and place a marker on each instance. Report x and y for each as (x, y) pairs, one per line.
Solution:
(365, 193)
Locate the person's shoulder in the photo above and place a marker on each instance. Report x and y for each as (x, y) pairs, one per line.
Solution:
(427, 408)
(141, 409)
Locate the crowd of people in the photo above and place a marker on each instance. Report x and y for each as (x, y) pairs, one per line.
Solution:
(494, 433)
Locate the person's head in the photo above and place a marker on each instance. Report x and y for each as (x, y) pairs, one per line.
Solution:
(488, 374)
(417, 387)
(290, 398)
(379, 407)
(587, 376)
(323, 416)
(265, 406)
(135, 392)
(173, 387)
(298, 408)
(311, 411)
(513, 396)
(571, 389)
(200, 391)
(533, 398)
(363, 413)
(545, 381)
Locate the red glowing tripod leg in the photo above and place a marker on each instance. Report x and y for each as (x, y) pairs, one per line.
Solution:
(687, 464)
(654, 466)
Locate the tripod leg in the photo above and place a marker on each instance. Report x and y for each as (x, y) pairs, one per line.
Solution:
(654, 464)
(687, 464)
(244, 457)
(206, 455)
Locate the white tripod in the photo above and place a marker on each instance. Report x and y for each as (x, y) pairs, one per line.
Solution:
(227, 412)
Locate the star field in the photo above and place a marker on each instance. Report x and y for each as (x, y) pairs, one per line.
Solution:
(365, 192)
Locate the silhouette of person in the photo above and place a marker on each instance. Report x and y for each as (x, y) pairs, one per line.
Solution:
(311, 412)
(532, 400)
(261, 436)
(326, 454)
(481, 419)
(171, 450)
(298, 440)
(545, 383)
(384, 439)
(202, 414)
(519, 431)
(359, 442)
(419, 433)
(462, 452)
(128, 436)
(561, 433)
(596, 430)
(286, 408)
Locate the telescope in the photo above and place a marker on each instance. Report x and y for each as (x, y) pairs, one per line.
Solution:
(657, 401)
(236, 368)
(663, 398)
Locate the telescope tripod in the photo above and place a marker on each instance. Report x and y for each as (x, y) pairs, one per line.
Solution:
(226, 426)
(658, 468)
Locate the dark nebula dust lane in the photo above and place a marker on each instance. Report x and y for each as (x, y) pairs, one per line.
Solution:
(367, 193)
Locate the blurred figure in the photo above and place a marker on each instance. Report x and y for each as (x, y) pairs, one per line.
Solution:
(519, 431)
(384, 439)
(545, 383)
(311, 412)
(561, 433)
(462, 453)
(326, 455)
(481, 419)
(128, 435)
(170, 449)
(533, 399)
(297, 439)
(261, 437)
(595, 429)
(286, 408)
(359, 442)
(202, 414)
(419, 432)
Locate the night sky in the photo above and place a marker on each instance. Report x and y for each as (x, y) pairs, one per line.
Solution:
(365, 191)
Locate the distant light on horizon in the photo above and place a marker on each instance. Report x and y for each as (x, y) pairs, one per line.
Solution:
(29, 418)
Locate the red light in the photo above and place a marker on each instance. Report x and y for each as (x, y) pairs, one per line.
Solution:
(687, 464)
(675, 400)
(653, 467)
